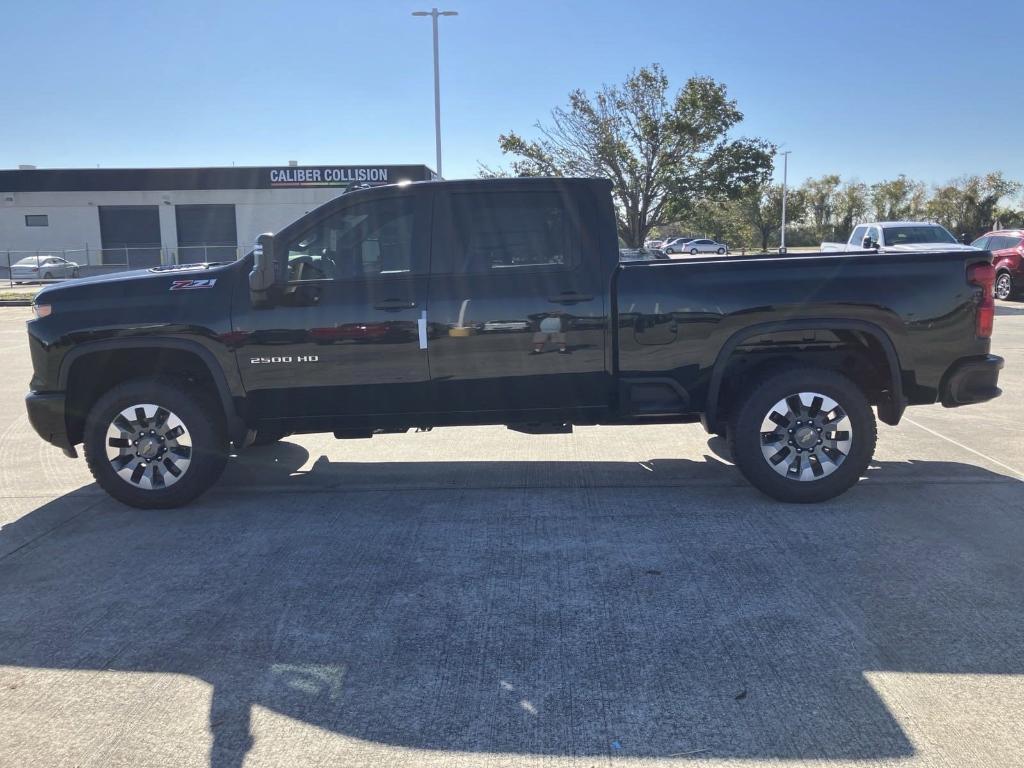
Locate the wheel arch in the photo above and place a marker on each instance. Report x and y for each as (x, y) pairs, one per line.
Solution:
(890, 409)
(159, 355)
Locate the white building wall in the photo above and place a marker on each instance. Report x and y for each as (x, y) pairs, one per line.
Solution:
(74, 216)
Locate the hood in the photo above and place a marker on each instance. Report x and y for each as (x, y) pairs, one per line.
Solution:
(162, 278)
(919, 247)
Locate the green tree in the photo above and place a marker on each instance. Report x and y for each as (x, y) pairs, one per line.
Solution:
(761, 209)
(898, 199)
(820, 196)
(1008, 217)
(851, 205)
(968, 205)
(664, 153)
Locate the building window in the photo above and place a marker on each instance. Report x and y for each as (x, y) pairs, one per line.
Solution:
(37, 220)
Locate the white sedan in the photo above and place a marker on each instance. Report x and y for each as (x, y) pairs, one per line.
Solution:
(41, 267)
(703, 246)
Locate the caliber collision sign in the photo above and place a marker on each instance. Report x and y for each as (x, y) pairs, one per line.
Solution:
(326, 176)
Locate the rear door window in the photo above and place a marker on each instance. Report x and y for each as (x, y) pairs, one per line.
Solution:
(510, 231)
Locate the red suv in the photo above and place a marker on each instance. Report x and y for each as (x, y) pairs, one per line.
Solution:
(1007, 246)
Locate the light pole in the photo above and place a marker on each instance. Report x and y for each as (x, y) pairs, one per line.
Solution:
(433, 14)
(785, 171)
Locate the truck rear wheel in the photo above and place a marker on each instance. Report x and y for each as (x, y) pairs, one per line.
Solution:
(804, 435)
(155, 442)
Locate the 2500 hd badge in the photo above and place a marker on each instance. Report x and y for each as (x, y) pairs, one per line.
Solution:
(284, 359)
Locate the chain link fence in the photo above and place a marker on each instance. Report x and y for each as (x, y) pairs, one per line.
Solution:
(55, 264)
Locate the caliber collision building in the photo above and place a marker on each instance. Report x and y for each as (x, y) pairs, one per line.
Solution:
(140, 217)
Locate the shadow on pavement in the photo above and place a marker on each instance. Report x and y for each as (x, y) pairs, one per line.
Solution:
(547, 618)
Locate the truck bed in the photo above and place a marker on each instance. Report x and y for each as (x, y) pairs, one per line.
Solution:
(682, 316)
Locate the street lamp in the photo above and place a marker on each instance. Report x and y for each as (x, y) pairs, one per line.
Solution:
(433, 14)
(785, 170)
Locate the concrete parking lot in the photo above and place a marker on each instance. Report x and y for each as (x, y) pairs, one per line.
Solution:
(477, 597)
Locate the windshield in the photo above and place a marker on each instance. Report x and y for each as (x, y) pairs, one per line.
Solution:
(911, 235)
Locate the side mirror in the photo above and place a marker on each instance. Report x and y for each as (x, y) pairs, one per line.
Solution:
(866, 242)
(266, 271)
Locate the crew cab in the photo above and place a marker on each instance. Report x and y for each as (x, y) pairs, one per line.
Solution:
(897, 236)
(501, 302)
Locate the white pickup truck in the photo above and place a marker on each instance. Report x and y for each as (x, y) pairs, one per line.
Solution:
(898, 236)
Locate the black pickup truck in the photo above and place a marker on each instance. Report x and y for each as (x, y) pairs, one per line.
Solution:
(501, 302)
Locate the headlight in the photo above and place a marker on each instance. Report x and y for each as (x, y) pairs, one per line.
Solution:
(42, 310)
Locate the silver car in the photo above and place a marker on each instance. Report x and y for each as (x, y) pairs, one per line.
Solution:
(703, 245)
(675, 244)
(33, 268)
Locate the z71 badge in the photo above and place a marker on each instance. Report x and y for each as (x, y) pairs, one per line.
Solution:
(193, 285)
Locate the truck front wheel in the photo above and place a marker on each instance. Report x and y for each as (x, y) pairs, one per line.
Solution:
(155, 442)
(803, 435)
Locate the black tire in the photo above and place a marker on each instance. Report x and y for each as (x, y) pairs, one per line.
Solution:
(745, 436)
(721, 251)
(269, 436)
(670, 251)
(1004, 288)
(693, 251)
(48, 276)
(74, 273)
(195, 409)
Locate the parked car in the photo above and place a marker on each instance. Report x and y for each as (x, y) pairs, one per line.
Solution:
(654, 244)
(897, 236)
(1007, 246)
(34, 268)
(703, 245)
(205, 359)
(675, 244)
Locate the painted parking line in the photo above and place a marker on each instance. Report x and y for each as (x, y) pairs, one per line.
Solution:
(985, 456)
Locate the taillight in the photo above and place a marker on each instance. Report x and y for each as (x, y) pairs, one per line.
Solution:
(984, 276)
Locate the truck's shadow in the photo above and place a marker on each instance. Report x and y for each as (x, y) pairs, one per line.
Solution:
(529, 613)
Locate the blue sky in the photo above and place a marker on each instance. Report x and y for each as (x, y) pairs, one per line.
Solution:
(868, 89)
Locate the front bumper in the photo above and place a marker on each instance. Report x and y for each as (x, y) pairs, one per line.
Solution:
(971, 380)
(46, 415)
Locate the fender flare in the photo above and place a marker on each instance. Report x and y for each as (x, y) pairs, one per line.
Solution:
(226, 390)
(889, 413)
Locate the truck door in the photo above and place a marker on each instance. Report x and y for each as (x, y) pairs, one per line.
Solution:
(345, 338)
(517, 307)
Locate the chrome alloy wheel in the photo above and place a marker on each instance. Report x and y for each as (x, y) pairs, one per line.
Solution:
(1004, 286)
(148, 446)
(806, 436)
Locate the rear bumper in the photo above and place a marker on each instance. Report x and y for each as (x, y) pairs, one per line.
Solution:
(46, 415)
(971, 380)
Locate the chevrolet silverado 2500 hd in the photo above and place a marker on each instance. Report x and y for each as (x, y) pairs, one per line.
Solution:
(501, 302)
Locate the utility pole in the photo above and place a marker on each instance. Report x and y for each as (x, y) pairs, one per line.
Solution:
(785, 172)
(433, 14)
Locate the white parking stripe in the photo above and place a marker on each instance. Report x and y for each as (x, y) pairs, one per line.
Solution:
(1015, 471)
